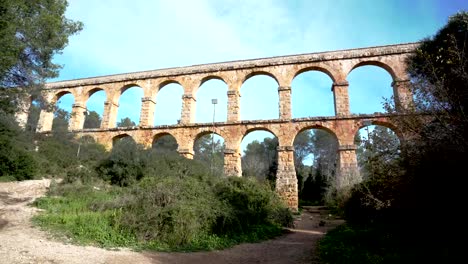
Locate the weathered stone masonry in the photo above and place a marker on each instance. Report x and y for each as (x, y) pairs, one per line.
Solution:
(336, 64)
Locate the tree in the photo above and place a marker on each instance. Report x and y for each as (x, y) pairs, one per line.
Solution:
(261, 160)
(210, 153)
(325, 148)
(31, 33)
(125, 122)
(92, 120)
(165, 144)
(313, 181)
(380, 148)
(436, 153)
(33, 117)
(60, 122)
(429, 171)
(17, 162)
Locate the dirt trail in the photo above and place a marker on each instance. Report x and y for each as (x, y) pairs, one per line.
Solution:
(20, 242)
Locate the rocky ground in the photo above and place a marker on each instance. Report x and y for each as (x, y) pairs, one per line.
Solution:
(21, 242)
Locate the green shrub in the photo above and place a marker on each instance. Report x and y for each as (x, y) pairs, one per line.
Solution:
(248, 203)
(58, 151)
(17, 161)
(124, 165)
(170, 210)
(168, 203)
(173, 165)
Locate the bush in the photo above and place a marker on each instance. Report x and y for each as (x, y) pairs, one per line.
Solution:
(172, 211)
(168, 203)
(17, 161)
(249, 204)
(124, 165)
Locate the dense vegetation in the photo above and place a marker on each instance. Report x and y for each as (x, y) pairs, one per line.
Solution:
(407, 209)
(139, 198)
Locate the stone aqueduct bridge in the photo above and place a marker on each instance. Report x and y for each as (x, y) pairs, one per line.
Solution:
(343, 125)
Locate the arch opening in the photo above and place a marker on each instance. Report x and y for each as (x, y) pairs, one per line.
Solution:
(62, 112)
(378, 147)
(311, 95)
(259, 98)
(164, 144)
(168, 104)
(369, 88)
(122, 139)
(207, 111)
(129, 110)
(209, 150)
(260, 156)
(95, 109)
(315, 161)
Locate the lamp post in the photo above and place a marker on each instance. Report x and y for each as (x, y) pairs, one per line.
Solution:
(86, 112)
(214, 102)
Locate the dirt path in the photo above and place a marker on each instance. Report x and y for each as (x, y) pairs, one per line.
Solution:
(20, 242)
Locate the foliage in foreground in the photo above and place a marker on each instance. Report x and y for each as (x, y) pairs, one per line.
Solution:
(406, 211)
(173, 208)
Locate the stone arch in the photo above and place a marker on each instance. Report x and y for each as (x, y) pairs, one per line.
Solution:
(376, 63)
(259, 128)
(210, 77)
(162, 134)
(307, 127)
(94, 90)
(322, 69)
(257, 73)
(383, 123)
(61, 93)
(167, 82)
(165, 145)
(127, 86)
(118, 137)
(207, 132)
(161, 83)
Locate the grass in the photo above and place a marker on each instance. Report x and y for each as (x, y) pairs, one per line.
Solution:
(71, 217)
(80, 214)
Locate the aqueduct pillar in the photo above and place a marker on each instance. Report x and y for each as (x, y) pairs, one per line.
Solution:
(147, 111)
(286, 180)
(232, 163)
(110, 114)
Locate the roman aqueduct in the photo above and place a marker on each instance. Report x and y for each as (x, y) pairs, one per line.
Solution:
(343, 125)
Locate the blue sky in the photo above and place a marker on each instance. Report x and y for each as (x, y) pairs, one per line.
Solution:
(122, 36)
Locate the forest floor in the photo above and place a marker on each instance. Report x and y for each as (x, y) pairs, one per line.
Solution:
(22, 242)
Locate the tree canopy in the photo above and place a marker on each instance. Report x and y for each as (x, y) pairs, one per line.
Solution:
(402, 189)
(125, 122)
(31, 33)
